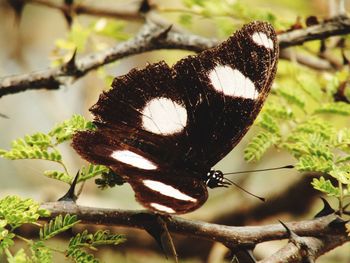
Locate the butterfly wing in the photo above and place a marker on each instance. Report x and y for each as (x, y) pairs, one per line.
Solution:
(163, 126)
(157, 186)
(224, 89)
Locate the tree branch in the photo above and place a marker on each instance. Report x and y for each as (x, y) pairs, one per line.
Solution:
(84, 9)
(319, 231)
(335, 27)
(153, 37)
(316, 247)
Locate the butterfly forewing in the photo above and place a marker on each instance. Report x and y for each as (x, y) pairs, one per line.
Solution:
(225, 88)
(162, 128)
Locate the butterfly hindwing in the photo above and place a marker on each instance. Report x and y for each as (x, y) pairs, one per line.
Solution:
(162, 128)
(177, 192)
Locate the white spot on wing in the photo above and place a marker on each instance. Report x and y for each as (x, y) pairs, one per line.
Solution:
(168, 190)
(133, 159)
(164, 116)
(162, 208)
(261, 39)
(232, 82)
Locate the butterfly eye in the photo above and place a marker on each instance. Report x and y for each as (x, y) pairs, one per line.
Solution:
(215, 179)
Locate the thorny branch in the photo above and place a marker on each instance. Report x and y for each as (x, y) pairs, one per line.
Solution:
(320, 234)
(155, 37)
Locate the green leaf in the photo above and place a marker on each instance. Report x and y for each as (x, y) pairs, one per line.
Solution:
(91, 171)
(309, 163)
(21, 150)
(292, 96)
(338, 108)
(314, 125)
(6, 237)
(193, 3)
(268, 123)
(39, 139)
(77, 38)
(80, 256)
(185, 19)
(58, 175)
(19, 257)
(259, 145)
(299, 145)
(41, 253)
(310, 84)
(17, 211)
(110, 28)
(325, 186)
(340, 160)
(341, 141)
(341, 173)
(58, 225)
(102, 237)
(278, 111)
(65, 130)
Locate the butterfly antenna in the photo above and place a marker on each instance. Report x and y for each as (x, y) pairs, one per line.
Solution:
(244, 190)
(263, 170)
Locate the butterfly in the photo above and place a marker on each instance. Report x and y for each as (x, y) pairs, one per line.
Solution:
(163, 128)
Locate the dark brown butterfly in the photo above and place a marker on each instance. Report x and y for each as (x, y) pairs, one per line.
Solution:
(162, 128)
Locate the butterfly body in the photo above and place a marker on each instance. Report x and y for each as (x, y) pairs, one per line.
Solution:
(163, 128)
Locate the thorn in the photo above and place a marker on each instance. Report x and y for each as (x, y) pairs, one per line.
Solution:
(71, 66)
(338, 223)
(346, 206)
(299, 243)
(326, 210)
(243, 255)
(164, 33)
(70, 195)
(68, 12)
(323, 46)
(17, 6)
(145, 7)
(292, 235)
(340, 94)
(68, 17)
(345, 59)
(4, 116)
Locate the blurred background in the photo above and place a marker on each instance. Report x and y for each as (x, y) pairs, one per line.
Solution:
(41, 38)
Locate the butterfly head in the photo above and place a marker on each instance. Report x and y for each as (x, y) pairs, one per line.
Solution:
(215, 178)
